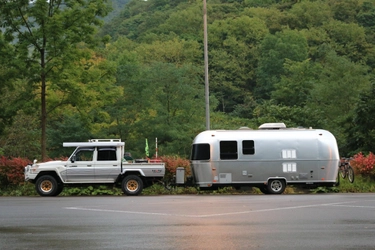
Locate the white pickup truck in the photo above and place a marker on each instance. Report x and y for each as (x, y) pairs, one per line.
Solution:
(98, 161)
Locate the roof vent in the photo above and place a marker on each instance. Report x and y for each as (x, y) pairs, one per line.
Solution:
(244, 128)
(279, 125)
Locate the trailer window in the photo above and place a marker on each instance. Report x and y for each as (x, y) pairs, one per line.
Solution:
(200, 152)
(248, 147)
(228, 150)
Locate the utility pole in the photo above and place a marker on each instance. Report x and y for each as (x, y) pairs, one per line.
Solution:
(207, 94)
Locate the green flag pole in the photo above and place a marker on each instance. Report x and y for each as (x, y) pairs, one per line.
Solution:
(146, 149)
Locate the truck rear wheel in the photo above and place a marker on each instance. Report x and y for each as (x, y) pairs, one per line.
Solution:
(132, 185)
(276, 186)
(46, 185)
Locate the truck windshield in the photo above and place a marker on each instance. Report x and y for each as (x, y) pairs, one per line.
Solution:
(200, 152)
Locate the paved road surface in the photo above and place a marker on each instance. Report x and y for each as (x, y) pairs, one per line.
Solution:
(329, 221)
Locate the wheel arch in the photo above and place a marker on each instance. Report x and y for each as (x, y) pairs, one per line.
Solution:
(51, 173)
(276, 178)
(137, 172)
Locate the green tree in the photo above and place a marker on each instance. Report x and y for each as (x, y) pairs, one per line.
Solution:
(294, 116)
(336, 91)
(296, 83)
(232, 59)
(345, 11)
(273, 17)
(21, 138)
(48, 36)
(348, 39)
(8, 74)
(176, 51)
(361, 128)
(84, 109)
(69, 128)
(160, 100)
(308, 14)
(187, 23)
(260, 3)
(175, 108)
(366, 16)
(275, 49)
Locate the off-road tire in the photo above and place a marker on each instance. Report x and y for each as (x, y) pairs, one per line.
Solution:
(132, 185)
(47, 185)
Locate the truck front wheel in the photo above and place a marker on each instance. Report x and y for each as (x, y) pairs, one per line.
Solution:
(132, 185)
(46, 185)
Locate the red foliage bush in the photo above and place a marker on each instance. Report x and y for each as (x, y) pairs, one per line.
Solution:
(12, 170)
(173, 162)
(364, 165)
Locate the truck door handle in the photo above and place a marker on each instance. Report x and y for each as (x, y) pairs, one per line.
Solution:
(89, 165)
(73, 166)
(115, 165)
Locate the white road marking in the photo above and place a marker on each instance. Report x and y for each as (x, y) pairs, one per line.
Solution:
(341, 204)
(354, 206)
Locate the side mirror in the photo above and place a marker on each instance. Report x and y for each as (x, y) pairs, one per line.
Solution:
(73, 158)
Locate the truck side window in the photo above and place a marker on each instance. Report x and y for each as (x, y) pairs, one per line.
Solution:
(248, 147)
(107, 154)
(200, 152)
(228, 150)
(84, 154)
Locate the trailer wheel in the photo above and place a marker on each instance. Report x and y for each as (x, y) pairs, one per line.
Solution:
(276, 186)
(132, 185)
(264, 189)
(46, 185)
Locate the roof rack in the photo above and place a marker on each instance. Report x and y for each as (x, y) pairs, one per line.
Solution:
(96, 143)
(105, 140)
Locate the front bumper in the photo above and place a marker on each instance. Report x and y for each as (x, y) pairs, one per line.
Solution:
(29, 175)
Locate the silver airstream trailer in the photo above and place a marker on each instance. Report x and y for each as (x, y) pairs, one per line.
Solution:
(269, 158)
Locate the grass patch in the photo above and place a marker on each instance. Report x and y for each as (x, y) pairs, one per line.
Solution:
(360, 185)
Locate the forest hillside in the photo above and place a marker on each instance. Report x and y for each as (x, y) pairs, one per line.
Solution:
(306, 63)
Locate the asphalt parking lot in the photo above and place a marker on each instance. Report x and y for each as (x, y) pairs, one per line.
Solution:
(313, 221)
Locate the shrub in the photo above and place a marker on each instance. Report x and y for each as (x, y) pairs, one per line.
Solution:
(24, 189)
(12, 170)
(171, 165)
(364, 165)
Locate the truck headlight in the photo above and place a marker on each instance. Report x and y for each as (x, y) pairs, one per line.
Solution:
(34, 168)
(31, 168)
